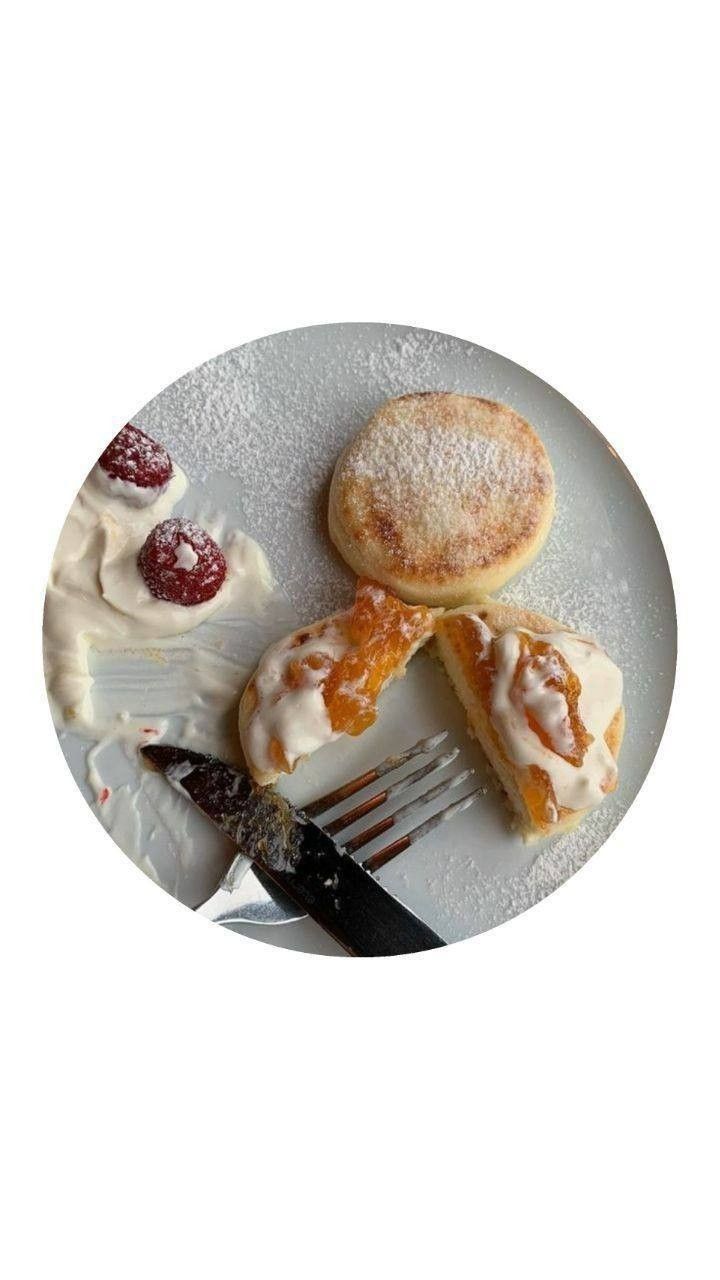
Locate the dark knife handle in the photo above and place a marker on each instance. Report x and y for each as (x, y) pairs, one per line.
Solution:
(336, 891)
(349, 904)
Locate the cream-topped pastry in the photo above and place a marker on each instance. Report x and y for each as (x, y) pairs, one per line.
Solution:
(545, 705)
(324, 680)
(294, 714)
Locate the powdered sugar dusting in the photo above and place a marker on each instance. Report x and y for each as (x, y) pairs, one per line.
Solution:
(451, 482)
(275, 415)
(181, 562)
(413, 466)
(134, 458)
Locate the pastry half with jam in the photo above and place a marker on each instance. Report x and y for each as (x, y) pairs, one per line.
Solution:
(544, 703)
(324, 680)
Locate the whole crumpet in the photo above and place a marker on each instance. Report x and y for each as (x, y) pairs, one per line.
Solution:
(181, 563)
(442, 497)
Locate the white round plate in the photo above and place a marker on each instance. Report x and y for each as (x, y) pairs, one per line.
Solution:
(258, 431)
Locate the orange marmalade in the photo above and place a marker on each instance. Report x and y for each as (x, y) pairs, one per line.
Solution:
(325, 680)
(382, 632)
(530, 692)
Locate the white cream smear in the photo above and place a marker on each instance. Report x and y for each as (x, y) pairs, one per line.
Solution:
(97, 602)
(97, 598)
(137, 495)
(298, 718)
(575, 787)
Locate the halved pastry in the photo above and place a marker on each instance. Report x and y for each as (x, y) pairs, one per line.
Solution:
(324, 680)
(544, 703)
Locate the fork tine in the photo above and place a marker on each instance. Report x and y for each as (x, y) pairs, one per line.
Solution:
(364, 837)
(379, 859)
(364, 779)
(395, 788)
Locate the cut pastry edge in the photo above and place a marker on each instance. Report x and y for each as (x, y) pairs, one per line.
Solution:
(324, 630)
(500, 617)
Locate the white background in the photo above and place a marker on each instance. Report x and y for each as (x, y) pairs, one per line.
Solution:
(538, 1101)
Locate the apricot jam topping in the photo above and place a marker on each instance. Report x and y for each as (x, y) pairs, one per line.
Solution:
(295, 674)
(539, 664)
(477, 652)
(278, 757)
(543, 663)
(538, 793)
(356, 653)
(381, 632)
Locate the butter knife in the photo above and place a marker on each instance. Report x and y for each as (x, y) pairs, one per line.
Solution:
(297, 856)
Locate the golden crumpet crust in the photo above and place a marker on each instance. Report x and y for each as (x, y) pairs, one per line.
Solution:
(442, 497)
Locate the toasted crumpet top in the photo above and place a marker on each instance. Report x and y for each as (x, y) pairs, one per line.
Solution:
(444, 484)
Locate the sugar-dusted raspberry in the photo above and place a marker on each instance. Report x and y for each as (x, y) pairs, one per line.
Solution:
(137, 459)
(180, 562)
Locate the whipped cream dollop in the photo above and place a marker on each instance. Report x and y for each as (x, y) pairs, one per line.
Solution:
(135, 494)
(545, 702)
(575, 786)
(124, 668)
(295, 717)
(97, 599)
(186, 557)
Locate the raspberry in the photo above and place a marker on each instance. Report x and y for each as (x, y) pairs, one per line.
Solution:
(180, 562)
(136, 458)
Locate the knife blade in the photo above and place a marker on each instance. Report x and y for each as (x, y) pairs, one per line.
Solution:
(296, 855)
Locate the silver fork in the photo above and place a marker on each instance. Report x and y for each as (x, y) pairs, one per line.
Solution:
(247, 896)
